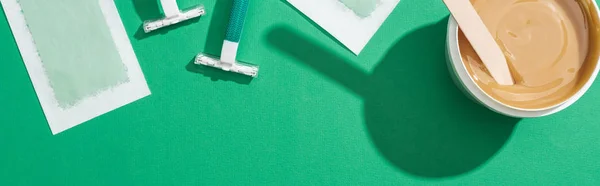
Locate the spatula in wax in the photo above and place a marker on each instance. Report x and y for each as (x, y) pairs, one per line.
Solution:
(481, 39)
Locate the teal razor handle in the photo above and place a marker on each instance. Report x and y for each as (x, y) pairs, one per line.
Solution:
(234, 31)
(233, 36)
(236, 20)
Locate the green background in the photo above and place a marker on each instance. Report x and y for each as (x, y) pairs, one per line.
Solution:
(316, 115)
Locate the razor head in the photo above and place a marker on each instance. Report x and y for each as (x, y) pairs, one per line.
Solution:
(238, 67)
(194, 12)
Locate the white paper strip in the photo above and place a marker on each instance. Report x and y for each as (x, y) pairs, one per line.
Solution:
(59, 116)
(343, 23)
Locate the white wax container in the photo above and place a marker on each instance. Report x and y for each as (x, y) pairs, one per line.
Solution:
(467, 84)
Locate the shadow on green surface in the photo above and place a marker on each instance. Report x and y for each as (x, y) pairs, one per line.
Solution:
(150, 10)
(217, 74)
(416, 117)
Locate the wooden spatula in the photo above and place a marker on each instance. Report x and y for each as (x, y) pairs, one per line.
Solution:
(481, 39)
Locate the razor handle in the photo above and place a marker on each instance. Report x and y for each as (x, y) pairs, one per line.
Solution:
(236, 20)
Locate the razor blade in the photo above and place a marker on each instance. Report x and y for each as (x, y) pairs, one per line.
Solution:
(237, 67)
(197, 11)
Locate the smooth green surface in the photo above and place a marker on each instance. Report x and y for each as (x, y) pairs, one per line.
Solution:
(317, 115)
(77, 52)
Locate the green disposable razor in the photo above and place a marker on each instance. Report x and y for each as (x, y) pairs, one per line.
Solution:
(228, 62)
